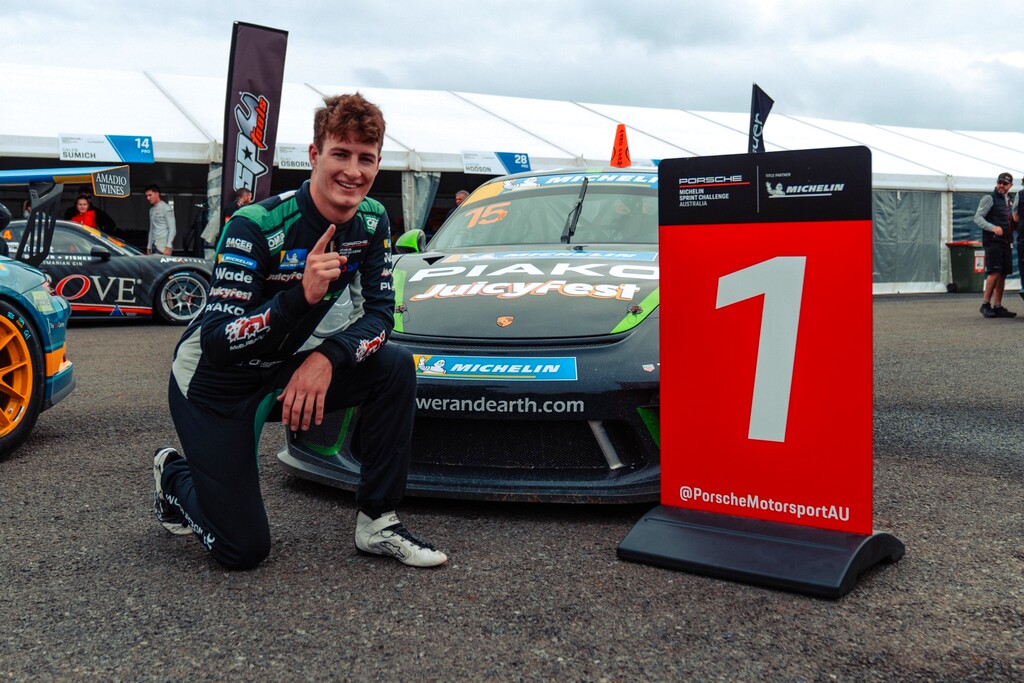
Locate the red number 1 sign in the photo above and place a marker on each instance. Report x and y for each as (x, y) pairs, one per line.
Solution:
(766, 363)
(766, 344)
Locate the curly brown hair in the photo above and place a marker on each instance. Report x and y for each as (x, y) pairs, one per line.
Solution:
(348, 116)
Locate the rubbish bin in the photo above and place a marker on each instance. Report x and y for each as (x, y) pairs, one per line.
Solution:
(967, 261)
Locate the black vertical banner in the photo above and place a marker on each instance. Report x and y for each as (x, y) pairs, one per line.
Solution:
(760, 107)
(251, 110)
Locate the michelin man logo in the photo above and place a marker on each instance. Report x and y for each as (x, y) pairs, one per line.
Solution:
(435, 368)
(520, 184)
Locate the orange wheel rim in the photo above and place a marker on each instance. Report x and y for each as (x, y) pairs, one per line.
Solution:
(15, 376)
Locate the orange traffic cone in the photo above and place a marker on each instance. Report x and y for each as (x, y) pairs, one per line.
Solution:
(620, 150)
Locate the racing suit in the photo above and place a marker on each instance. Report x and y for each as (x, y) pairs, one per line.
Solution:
(237, 356)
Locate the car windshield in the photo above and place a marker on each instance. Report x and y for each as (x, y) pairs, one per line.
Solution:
(119, 243)
(619, 214)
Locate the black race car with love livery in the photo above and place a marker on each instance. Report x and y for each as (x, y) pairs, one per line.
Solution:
(104, 277)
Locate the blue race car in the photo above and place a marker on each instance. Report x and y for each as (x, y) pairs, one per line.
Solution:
(35, 372)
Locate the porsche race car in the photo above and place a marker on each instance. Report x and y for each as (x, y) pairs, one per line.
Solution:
(532, 317)
(104, 277)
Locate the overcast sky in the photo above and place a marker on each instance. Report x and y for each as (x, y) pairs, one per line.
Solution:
(933, 64)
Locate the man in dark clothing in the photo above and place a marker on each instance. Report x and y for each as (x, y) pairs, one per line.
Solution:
(460, 197)
(243, 197)
(5, 220)
(993, 217)
(1017, 211)
(281, 264)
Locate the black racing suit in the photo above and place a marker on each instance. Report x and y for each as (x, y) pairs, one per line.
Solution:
(236, 358)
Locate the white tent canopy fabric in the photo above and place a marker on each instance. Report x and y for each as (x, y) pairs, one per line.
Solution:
(922, 178)
(428, 130)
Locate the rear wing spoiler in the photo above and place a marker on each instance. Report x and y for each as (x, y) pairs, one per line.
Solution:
(45, 186)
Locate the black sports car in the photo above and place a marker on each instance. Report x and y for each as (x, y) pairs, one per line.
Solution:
(103, 277)
(532, 317)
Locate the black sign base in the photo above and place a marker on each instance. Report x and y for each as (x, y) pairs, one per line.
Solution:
(817, 562)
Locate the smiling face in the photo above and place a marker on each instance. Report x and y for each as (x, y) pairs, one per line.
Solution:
(82, 205)
(343, 173)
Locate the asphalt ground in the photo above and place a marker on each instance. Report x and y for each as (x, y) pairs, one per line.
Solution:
(94, 590)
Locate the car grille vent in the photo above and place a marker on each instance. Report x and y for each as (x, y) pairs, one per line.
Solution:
(324, 437)
(516, 445)
(500, 444)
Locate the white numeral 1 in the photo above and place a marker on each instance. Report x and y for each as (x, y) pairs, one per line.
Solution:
(781, 280)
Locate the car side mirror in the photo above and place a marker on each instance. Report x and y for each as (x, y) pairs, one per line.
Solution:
(102, 253)
(411, 242)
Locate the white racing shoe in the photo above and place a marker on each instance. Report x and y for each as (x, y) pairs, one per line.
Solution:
(387, 536)
(168, 515)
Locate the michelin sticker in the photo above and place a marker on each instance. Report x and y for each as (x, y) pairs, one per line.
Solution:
(497, 367)
(237, 260)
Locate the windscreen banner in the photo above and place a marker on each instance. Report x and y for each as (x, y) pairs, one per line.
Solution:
(766, 336)
(253, 105)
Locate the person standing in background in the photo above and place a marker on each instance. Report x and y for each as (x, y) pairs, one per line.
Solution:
(460, 197)
(84, 213)
(243, 197)
(103, 220)
(5, 220)
(993, 217)
(1015, 212)
(161, 223)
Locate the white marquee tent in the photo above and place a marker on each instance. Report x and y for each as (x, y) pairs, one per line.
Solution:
(918, 173)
